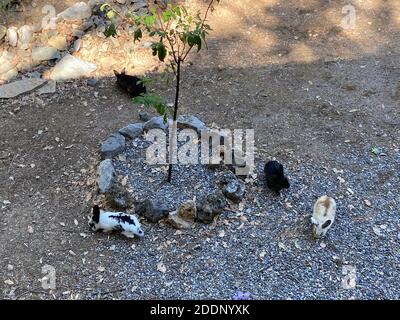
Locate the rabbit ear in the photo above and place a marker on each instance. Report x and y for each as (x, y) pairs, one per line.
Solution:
(96, 214)
(116, 73)
(123, 71)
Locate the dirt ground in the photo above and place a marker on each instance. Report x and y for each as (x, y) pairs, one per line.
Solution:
(317, 95)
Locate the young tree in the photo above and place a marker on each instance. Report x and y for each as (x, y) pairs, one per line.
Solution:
(177, 33)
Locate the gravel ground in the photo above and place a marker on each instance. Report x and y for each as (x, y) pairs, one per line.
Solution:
(319, 98)
(264, 246)
(149, 181)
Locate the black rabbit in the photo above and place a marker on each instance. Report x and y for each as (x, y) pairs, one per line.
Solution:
(131, 84)
(275, 177)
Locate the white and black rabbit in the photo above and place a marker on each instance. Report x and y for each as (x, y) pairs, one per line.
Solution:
(107, 221)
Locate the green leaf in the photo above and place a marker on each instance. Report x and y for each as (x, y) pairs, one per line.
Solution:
(110, 31)
(110, 14)
(149, 21)
(167, 15)
(162, 51)
(152, 100)
(137, 35)
(103, 6)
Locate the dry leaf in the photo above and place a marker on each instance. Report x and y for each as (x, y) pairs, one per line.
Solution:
(377, 231)
(124, 181)
(101, 269)
(161, 267)
(368, 203)
(281, 245)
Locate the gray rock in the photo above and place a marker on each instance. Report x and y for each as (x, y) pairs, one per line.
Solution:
(34, 75)
(138, 5)
(232, 187)
(155, 123)
(78, 33)
(3, 32)
(12, 36)
(49, 87)
(45, 53)
(92, 82)
(132, 131)
(25, 34)
(106, 176)
(14, 89)
(190, 122)
(234, 190)
(95, 3)
(119, 201)
(152, 210)
(118, 197)
(144, 116)
(210, 206)
(78, 11)
(114, 145)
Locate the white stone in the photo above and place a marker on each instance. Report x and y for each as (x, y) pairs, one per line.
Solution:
(5, 65)
(78, 11)
(9, 75)
(12, 36)
(25, 34)
(44, 53)
(71, 67)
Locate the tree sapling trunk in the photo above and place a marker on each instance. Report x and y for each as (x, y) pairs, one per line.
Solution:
(176, 103)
